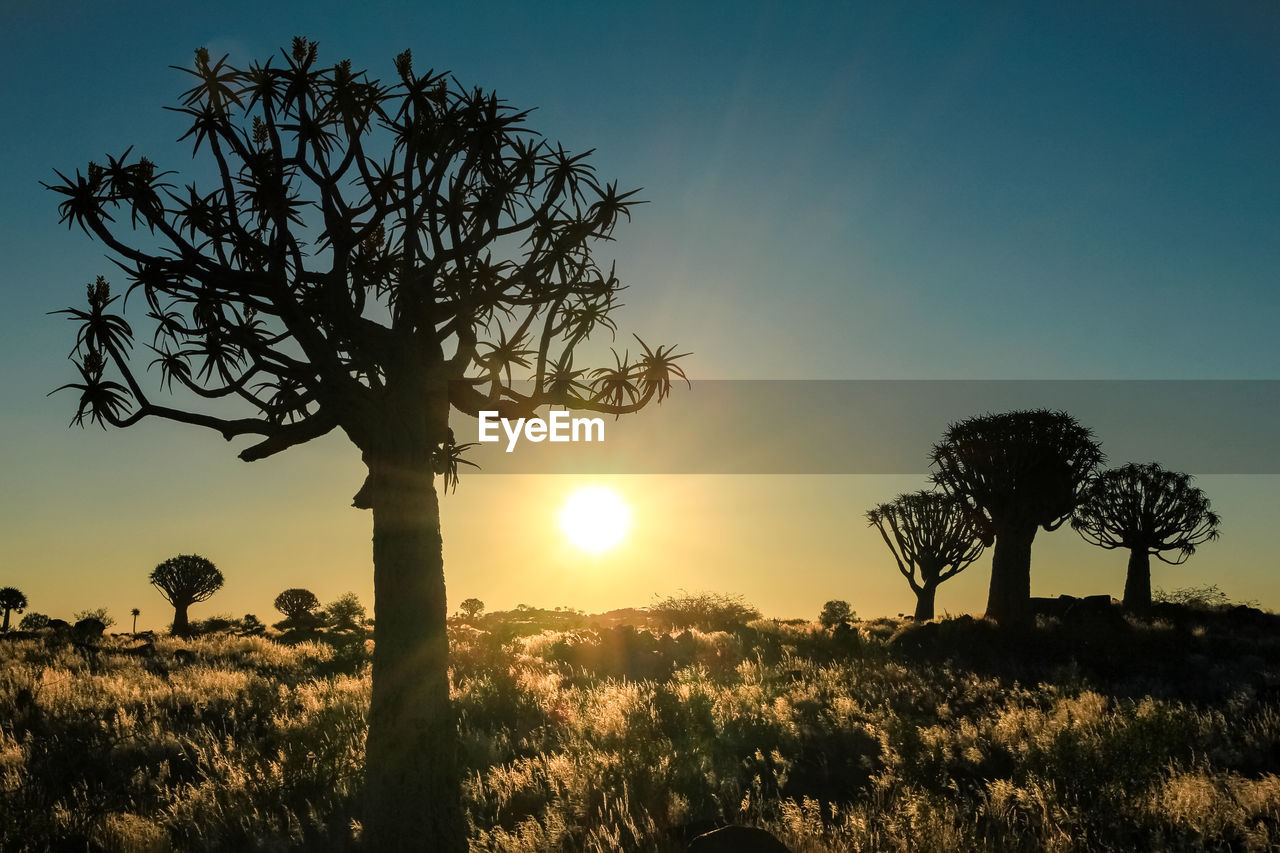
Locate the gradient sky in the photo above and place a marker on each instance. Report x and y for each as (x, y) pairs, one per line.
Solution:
(879, 191)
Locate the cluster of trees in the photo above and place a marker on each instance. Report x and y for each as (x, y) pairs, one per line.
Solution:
(188, 579)
(1000, 478)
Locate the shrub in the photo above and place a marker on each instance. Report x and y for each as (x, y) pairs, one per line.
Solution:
(99, 613)
(33, 621)
(346, 612)
(1198, 598)
(707, 611)
(835, 612)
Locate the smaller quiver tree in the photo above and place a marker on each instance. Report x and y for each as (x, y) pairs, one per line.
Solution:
(297, 605)
(185, 580)
(933, 537)
(1148, 510)
(11, 600)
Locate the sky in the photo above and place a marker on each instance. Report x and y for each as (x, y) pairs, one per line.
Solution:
(986, 191)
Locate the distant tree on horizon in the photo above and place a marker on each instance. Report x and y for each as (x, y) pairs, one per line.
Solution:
(98, 614)
(297, 605)
(185, 580)
(707, 611)
(33, 621)
(470, 608)
(368, 258)
(135, 613)
(1148, 510)
(12, 600)
(346, 611)
(835, 612)
(1017, 472)
(933, 537)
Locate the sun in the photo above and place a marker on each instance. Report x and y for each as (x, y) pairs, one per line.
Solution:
(595, 519)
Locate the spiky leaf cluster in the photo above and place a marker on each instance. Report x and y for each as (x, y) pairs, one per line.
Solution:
(12, 598)
(931, 534)
(1022, 467)
(186, 579)
(296, 603)
(361, 243)
(1146, 508)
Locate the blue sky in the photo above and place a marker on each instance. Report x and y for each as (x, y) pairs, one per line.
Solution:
(988, 191)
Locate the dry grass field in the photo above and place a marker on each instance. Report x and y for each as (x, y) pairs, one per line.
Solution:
(1105, 734)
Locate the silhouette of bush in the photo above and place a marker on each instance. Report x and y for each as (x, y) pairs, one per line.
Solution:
(708, 611)
(470, 608)
(346, 612)
(33, 621)
(835, 612)
(1208, 597)
(215, 625)
(97, 613)
(251, 626)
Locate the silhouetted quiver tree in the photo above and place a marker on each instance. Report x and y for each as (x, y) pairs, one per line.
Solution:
(368, 258)
(1148, 510)
(11, 600)
(185, 580)
(296, 604)
(933, 537)
(1016, 471)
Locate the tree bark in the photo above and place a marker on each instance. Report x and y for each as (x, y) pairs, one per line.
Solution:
(181, 626)
(413, 783)
(924, 603)
(1137, 584)
(1009, 599)
(6, 620)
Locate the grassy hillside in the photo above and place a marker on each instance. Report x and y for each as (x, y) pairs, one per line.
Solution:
(1094, 731)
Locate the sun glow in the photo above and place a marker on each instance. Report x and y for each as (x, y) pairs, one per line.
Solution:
(595, 519)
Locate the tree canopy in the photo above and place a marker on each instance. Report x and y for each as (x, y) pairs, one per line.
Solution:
(932, 536)
(1150, 511)
(1016, 471)
(296, 603)
(185, 580)
(355, 234)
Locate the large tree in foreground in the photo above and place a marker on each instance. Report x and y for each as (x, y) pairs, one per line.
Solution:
(367, 257)
(1017, 472)
(185, 580)
(1148, 510)
(11, 600)
(933, 537)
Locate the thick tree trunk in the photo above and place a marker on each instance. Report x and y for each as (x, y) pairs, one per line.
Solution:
(1137, 585)
(5, 627)
(924, 602)
(1009, 600)
(413, 780)
(181, 627)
